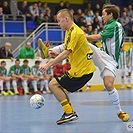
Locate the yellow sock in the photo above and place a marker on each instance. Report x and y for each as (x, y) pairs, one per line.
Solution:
(66, 106)
(71, 107)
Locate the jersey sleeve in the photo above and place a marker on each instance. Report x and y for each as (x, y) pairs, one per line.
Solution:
(108, 32)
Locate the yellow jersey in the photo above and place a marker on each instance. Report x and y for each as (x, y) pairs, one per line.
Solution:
(81, 53)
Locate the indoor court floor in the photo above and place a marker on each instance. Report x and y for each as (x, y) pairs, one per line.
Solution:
(96, 114)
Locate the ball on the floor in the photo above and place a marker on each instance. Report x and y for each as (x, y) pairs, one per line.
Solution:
(37, 101)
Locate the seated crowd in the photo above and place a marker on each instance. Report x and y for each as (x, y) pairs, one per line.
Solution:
(89, 18)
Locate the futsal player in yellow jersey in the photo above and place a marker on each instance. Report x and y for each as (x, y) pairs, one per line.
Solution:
(82, 67)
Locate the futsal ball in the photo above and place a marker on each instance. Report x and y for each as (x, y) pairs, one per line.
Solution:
(37, 101)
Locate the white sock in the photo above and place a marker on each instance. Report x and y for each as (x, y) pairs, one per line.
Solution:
(114, 97)
(129, 81)
(1, 85)
(14, 84)
(34, 84)
(122, 82)
(25, 87)
(42, 83)
(46, 85)
(8, 85)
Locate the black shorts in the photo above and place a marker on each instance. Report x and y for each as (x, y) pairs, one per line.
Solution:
(72, 84)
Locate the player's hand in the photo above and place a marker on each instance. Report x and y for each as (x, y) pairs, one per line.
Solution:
(53, 54)
(43, 68)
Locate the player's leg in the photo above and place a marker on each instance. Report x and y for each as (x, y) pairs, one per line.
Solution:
(62, 97)
(8, 88)
(14, 85)
(25, 86)
(70, 84)
(108, 78)
(34, 84)
(2, 88)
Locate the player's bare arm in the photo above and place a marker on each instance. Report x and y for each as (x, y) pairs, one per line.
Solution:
(95, 37)
(59, 58)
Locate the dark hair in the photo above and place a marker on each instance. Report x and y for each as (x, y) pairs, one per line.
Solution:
(25, 61)
(17, 60)
(2, 62)
(37, 62)
(115, 10)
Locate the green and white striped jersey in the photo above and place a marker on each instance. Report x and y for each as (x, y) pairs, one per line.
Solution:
(130, 53)
(26, 70)
(112, 38)
(14, 70)
(3, 72)
(123, 60)
(35, 71)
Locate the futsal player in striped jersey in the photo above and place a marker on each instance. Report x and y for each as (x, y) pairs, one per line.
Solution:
(123, 67)
(15, 73)
(37, 77)
(4, 78)
(130, 67)
(27, 76)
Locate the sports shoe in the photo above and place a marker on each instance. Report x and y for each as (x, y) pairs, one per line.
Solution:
(27, 93)
(37, 92)
(43, 49)
(16, 93)
(67, 118)
(123, 116)
(4, 93)
(11, 93)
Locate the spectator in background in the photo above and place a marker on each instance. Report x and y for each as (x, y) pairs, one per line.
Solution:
(67, 5)
(78, 15)
(45, 7)
(5, 51)
(98, 8)
(81, 22)
(49, 14)
(6, 9)
(88, 18)
(130, 11)
(24, 10)
(34, 11)
(60, 6)
(39, 5)
(125, 21)
(89, 30)
(41, 18)
(1, 12)
(88, 8)
(27, 52)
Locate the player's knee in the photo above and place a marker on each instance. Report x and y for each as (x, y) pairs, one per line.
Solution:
(52, 83)
(109, 86)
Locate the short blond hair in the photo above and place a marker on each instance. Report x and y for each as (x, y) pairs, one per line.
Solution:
(65, 12)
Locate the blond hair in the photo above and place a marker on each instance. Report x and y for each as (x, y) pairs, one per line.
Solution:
(65, 12)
